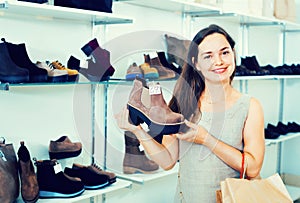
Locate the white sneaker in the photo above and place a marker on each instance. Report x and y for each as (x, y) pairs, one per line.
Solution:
(54, 75)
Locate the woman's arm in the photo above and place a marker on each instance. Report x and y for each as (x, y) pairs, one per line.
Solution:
(165, 154)
(254, 144)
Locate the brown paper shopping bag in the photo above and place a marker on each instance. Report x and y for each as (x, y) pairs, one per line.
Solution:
(269, 190)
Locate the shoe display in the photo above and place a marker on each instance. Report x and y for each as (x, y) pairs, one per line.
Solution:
(251, 63)
(151, 108)
(90, 179)
(9, 71)
(19, 56)
(54, 75)
(101, 57)
(133, 71)
(63, 148)
(177, 49)
(73, 63)
(164, 72)
(149, 72)
(112, 178)
(29, 184)
(162, 58)
(72, 74)
(53, 183)
(94, 72)
(270, 134)
(135, 160)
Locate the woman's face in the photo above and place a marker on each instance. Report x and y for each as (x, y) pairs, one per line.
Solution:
(215, 58)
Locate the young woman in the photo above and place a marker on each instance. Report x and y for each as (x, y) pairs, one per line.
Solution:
(222, 122)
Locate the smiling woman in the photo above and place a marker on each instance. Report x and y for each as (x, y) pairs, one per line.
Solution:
(222, 123)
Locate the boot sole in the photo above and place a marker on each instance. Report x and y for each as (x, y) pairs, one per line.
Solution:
(48, 194)
(137, 117)
(63, 155)
(31, 201)
(133, 170)
(14, 79)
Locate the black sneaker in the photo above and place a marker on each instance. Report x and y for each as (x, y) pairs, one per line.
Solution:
(90, 179)
(53, 183)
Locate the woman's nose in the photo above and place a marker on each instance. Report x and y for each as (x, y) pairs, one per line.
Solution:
(218, 60)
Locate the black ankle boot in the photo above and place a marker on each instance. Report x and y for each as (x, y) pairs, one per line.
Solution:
(9, 71)
(165, 63)
(135, 160)
(53, 183)
(73, 63)
(19, 56)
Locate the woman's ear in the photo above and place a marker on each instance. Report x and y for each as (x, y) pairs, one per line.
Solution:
(193, 60)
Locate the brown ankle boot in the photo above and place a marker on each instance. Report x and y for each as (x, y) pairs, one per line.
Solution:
(29, 184)
(135, 160)
(164, 73)
(152, 109)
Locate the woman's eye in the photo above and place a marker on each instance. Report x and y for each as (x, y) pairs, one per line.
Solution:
(225, 52)
(206, 57)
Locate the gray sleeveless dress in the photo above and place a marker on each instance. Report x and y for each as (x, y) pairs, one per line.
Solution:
(201, 171)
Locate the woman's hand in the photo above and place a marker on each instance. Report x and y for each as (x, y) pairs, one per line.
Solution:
(123, 122)
(196, 133)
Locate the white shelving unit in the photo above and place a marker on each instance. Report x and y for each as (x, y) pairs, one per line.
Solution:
(50, 12)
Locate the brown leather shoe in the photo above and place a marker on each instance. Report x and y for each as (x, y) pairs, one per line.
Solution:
(145, 106)
(29, 184)
(64, 148)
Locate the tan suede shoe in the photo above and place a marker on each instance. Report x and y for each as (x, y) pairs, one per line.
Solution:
(64, 148)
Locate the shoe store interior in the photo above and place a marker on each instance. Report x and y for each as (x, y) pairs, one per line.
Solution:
(66, 64)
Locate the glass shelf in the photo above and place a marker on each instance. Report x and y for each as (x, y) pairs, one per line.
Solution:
(267, 77)
(50, 12)
(120, 184)
(177, 6)
(283, 138)
(203, 10)
(143, 178)
(119, 81)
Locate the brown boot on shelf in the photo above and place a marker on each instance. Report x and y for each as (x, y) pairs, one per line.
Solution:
(164, 73)
(135, 160)
(29, 184)
(147, 106)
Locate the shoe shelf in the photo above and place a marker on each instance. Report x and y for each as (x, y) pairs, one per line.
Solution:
(120, 184)
(176, 6)
(144, 178)
(195, 9)
(51, 12)
(283, 138)
(267, 77)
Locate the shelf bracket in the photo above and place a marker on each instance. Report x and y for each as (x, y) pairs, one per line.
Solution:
(3, 4)
(201, 14)
(262, 24)
(4, 86)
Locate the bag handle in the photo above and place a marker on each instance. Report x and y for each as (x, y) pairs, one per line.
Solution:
(244, 167)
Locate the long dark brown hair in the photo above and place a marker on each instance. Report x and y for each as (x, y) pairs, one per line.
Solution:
(190, 84)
